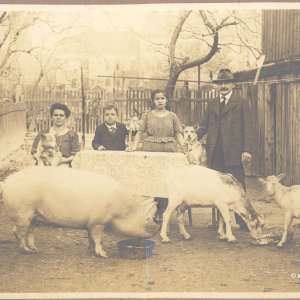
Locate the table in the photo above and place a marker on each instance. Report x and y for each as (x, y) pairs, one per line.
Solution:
(142, 172)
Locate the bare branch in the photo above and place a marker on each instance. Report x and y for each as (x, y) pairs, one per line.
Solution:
(2, 17)
(205, 58)
(226, 24)
(4, 38)
(175, 35)
(12, 42)
(251, 49)
(206, 22)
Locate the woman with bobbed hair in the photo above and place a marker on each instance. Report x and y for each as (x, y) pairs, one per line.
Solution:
(67, 140)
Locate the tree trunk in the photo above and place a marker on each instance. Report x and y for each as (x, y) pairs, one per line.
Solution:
(36, 85)
(175, 71)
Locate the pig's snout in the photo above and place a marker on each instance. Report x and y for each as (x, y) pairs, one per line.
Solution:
(142, 234)
(120, 226)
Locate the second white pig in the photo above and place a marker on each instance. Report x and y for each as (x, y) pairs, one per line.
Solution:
(198, 186)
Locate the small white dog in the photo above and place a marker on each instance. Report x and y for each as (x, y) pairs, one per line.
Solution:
(196, 154)
(48, 153)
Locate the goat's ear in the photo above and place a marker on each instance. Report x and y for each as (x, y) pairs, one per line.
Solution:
(281, 176)
(183, 126)
(260, 179)
(196, 126)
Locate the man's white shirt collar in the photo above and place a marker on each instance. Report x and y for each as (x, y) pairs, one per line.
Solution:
(227, 97)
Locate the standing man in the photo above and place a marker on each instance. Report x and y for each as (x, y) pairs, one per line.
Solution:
(110, 135)
(227, 122)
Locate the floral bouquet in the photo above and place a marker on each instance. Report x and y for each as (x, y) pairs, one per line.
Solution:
(132, 125)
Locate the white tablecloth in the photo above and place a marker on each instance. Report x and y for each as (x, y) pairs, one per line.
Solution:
(142, 172)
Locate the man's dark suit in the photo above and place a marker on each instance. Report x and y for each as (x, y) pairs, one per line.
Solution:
(235, 124)
(110, 140)
(229, 134)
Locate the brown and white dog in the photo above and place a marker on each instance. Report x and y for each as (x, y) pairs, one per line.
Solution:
(196, 154)
(48, 153)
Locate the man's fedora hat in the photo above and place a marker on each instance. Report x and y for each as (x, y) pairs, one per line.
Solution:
(225, 75)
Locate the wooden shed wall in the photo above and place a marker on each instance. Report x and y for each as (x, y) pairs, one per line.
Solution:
(275, 109)
(281, 34)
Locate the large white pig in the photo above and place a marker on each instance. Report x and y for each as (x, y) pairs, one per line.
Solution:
(198, 186)
(75, 199)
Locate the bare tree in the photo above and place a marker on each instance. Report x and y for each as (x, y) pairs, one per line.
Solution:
(47, 63)
(209, 37)
(50, 56)
(13, 25)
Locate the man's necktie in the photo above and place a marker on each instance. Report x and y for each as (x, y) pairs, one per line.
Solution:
(223, 101)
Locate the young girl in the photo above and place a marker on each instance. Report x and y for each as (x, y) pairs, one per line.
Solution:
(163, 134)
(161, 126)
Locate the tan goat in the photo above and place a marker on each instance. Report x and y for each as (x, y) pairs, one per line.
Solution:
(288, 198)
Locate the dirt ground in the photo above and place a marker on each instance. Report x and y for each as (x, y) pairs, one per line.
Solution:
(203, 264)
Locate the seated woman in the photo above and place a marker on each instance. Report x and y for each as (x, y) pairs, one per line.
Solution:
(66, 139)
(163, 133)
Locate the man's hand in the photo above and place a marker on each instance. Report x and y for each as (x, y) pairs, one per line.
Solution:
(246, 157)
(101, 148)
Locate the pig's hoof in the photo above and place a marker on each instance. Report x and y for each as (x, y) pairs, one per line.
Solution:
(26, 250)
(187, 238)
(222, 238)
(166, 241)
(101, 254)
(33, 248)
(232, 242)
(280, 245)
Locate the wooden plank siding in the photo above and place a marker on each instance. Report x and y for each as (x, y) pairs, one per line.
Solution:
(280, 34)
(276, 113)
(12, 127)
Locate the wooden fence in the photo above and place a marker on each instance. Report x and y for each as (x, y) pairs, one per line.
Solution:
(12, 127)
(40, 116)
(188, 108)
(275, 111)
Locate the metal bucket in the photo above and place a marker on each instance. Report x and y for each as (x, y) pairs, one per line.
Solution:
(135, 248)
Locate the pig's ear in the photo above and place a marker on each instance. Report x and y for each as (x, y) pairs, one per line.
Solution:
(281, 176)
(183, 126)
(196, 126)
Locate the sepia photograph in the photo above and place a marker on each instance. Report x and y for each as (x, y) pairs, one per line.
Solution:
(150, 150)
